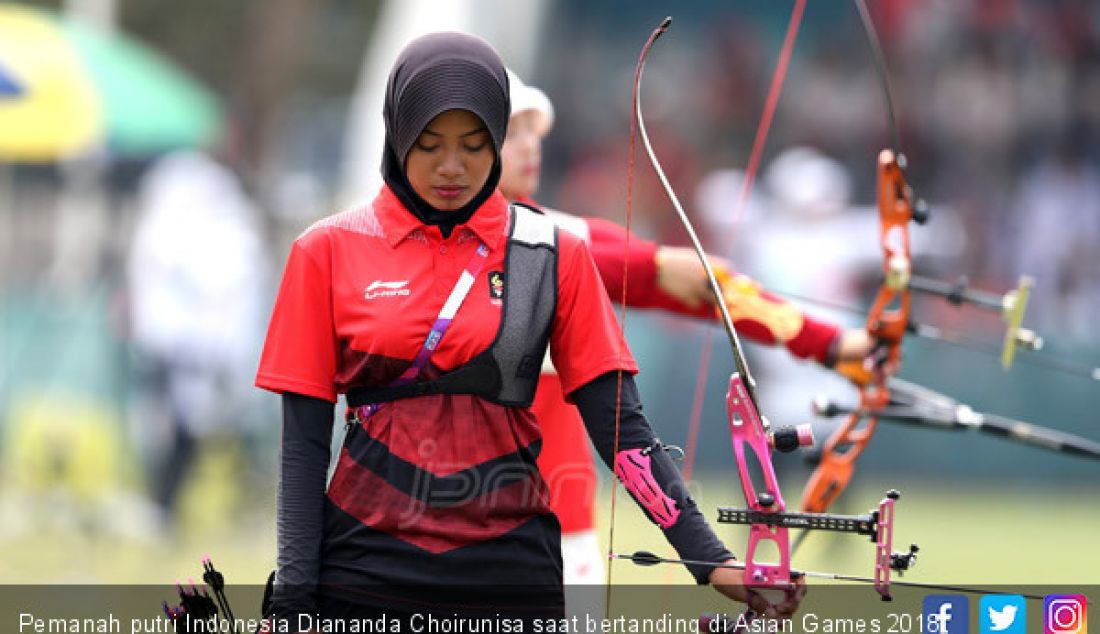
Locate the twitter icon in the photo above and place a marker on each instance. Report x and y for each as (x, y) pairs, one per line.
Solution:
(1003, 614)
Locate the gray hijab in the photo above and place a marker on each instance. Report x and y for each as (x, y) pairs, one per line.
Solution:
(435, 73)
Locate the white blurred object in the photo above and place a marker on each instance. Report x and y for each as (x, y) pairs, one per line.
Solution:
(716, 197)
(803, 181)
(197, 274)
(526, 97)
(102, 13)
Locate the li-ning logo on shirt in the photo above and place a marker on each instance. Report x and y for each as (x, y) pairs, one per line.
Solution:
(378, 288)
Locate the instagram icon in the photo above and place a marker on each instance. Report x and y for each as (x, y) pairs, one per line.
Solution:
(1065, 614)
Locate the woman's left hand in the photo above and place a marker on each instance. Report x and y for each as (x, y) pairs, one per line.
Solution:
(855, 344)
(731, 582)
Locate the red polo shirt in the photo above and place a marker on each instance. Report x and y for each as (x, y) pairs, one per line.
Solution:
(329, 322)
(359, 295)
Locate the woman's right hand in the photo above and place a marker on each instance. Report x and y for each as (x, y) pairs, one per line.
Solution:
(731, 583)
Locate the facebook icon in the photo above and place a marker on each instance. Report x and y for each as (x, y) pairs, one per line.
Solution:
(946, 614)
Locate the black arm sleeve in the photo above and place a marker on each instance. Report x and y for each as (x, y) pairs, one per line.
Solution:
(690, 535)
(303, 467)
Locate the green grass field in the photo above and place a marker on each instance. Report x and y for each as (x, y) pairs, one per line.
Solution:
(967, 534)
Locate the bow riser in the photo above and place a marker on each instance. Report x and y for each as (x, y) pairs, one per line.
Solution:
(747, 431)
(889, 315)
(837, 463)
(886, 322)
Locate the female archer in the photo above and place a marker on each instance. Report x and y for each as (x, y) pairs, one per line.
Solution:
(431, 309)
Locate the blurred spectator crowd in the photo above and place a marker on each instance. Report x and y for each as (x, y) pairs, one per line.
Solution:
(998, 104)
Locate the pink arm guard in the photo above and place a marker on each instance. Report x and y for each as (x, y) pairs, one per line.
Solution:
(635, 472)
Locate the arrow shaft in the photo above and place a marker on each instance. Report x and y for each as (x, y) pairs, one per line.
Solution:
(965, 418)
(1039, 436)
(650, 559)
(957, 293)
(935, 586)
